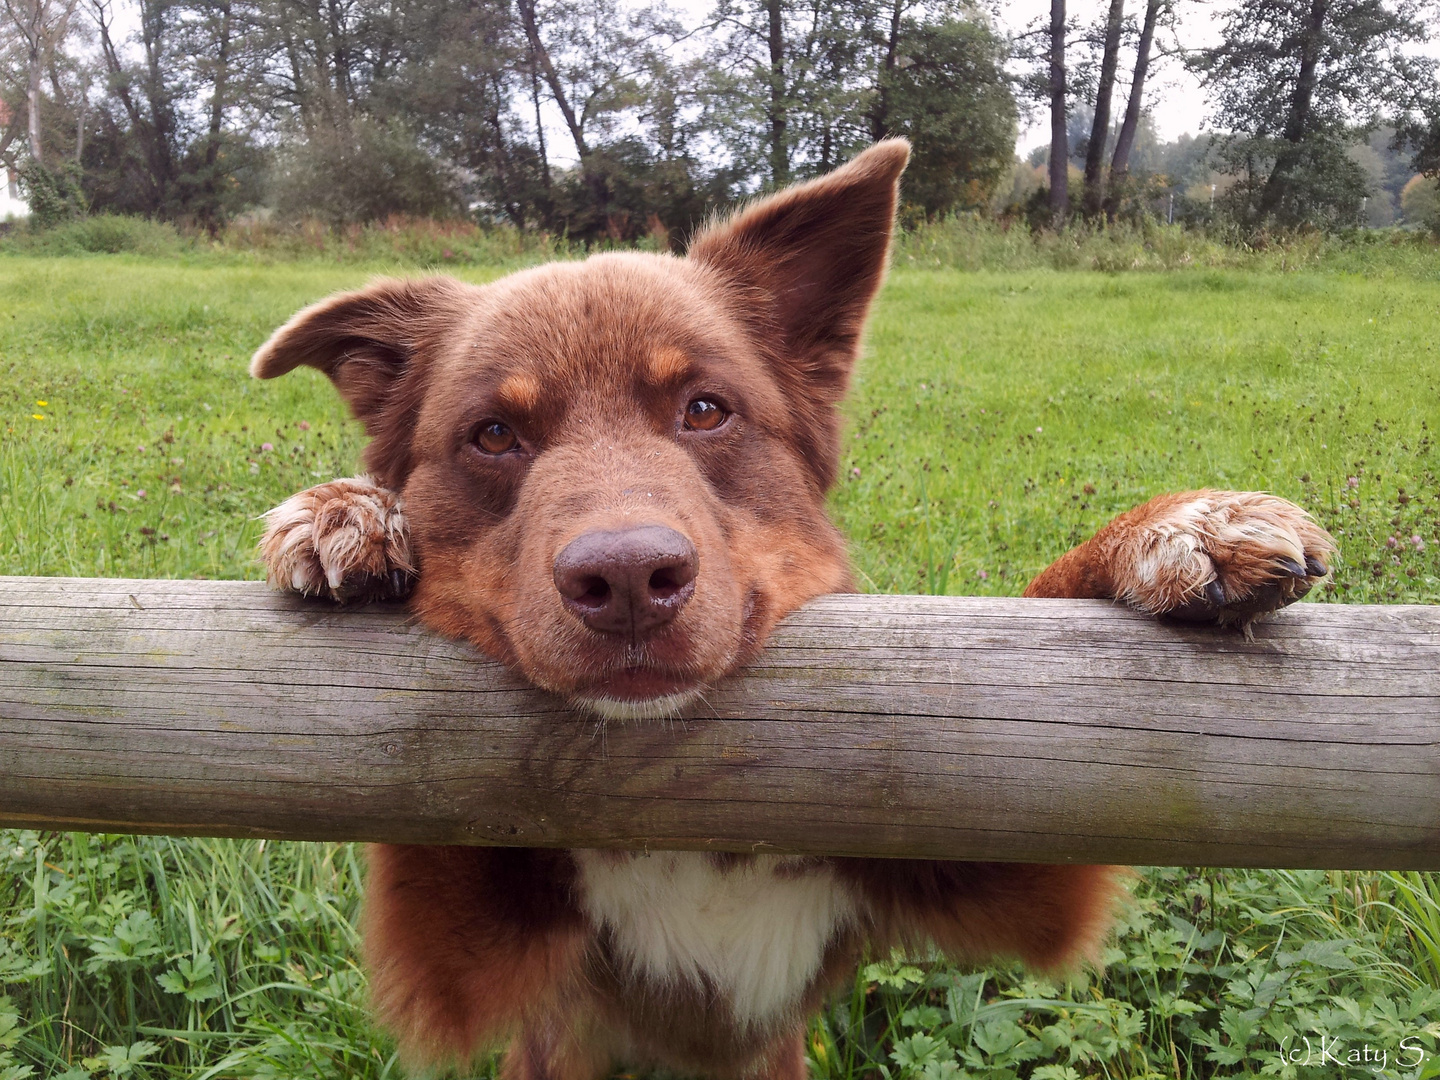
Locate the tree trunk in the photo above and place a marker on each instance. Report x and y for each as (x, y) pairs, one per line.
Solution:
(210, 209)
(222, 76)
(1297, 120)
(779, 151)
(32, 100)
(880, 115)
(552, 78)
(1299, 117)
(547, 209)
(1100, 129)
(1059, 139)
(81, 120)
(1120, 163)
(118, 79)
(158, 95)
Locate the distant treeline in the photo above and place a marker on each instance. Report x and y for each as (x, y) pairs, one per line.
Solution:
(611, 120)
(352, 110)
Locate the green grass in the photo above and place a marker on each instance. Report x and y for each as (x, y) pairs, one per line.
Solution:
(1002, 418)
(998, 418)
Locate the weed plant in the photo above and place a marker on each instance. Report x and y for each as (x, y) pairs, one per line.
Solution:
(998, 418)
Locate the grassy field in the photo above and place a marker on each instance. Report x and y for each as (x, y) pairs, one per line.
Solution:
(998, 418)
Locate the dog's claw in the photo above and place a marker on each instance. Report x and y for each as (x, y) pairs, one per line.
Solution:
(1291, 567)
(345, 539)
(1315, 567)
(1214, 593)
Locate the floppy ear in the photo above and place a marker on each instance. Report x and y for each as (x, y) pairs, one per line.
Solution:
(803, 266)
(372, 344)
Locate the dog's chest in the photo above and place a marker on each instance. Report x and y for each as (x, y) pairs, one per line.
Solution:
(755, 931)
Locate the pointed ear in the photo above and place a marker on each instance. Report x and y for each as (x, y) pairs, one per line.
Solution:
(803, 266)
(372, 345)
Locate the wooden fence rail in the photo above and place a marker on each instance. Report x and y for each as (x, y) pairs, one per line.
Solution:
(873, 725)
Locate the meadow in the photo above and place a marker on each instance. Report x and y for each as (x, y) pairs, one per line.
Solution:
(999, 417)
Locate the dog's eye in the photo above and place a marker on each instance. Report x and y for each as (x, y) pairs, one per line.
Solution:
(702, 414)
(493, 437)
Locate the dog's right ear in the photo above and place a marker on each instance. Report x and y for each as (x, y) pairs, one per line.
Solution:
(372, 344)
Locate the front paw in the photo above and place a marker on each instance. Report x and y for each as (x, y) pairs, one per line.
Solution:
(346, 539)
(1218, 556)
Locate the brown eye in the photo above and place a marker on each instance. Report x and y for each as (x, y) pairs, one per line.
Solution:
(495, 438)
(702, 414)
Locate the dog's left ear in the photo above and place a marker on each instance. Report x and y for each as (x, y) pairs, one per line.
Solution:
(372, 345)
(803, 266)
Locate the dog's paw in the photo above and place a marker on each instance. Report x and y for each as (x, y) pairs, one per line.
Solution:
(1218, 556)
(346, 539)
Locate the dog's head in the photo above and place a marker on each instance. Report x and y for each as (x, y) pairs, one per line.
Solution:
(614, 471)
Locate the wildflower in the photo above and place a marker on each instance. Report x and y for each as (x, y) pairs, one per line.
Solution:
(36, 416)
(1352, 481)
(983, 575)
(1038, 430)
(1392, 542)
(1418, 541)
(140, 449)
(303, 425)
(140, 493)
(266, 447)
(855, 471)
(42, 404)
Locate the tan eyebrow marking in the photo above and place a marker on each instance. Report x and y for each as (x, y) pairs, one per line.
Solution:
(668, 365)
(520, 393)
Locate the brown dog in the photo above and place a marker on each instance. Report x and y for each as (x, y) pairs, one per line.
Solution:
(612, 476)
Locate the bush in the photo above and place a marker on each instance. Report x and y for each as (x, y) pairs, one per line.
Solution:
(103, 234)
(54, 195)
(369, 172)
(972, 242)
(425, 242)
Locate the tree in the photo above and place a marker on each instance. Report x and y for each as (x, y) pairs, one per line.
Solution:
(1295, 81)
(40, 26)
(949, 95)
(793, 82)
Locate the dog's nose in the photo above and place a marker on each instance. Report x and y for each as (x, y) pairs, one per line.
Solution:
(627, 581)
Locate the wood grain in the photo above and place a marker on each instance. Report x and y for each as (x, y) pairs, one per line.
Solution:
(1043, 730)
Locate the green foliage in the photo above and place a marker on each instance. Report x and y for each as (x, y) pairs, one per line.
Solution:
(101, 234)
(54, 195)
(1312, 182)
(155, 957)
(1213, 972)
(1288, 80)
(999, 417)
(367, 170)
(949, 95)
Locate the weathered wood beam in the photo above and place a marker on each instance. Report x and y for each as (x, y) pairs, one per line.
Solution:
(873, 725)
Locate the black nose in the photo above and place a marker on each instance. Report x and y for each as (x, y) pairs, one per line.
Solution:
(630, 581)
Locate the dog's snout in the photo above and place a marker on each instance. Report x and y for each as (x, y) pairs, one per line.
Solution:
(627, 581)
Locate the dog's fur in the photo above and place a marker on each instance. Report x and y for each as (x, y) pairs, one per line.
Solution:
(699, 962)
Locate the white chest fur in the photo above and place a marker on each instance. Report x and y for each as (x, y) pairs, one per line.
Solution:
(756, 931)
